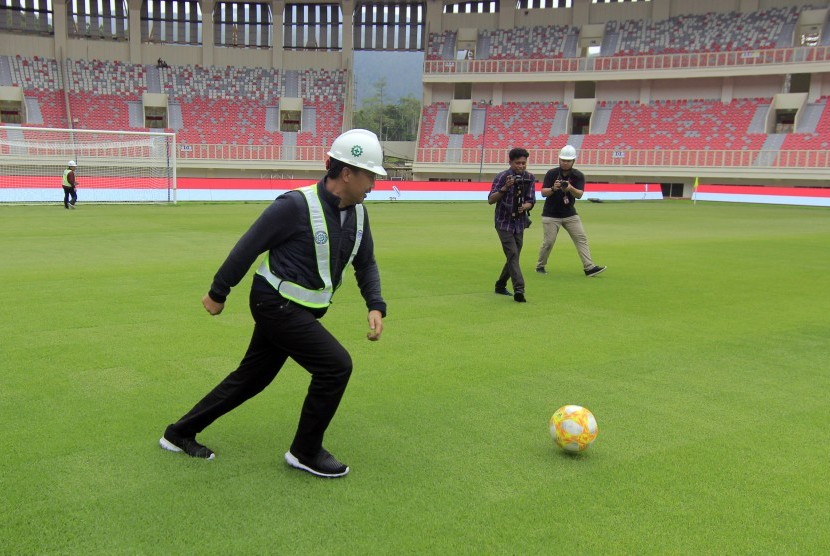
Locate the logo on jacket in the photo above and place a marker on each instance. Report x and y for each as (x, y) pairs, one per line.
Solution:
(320, 238)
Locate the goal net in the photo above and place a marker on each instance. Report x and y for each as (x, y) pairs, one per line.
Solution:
(113, 166)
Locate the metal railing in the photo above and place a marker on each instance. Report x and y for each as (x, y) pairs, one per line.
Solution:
(649, 62)
(638, 158)
(283, 153)
(680, 158)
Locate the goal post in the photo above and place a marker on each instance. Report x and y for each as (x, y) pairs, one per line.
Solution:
(112, 166)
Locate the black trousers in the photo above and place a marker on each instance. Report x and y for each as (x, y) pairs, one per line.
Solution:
(67, 193)
(282, 330)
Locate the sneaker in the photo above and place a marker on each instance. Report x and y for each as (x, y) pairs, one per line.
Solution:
(594, 271)
(176, 443)
(71, 206)
(503, 291)
(322, 465)
(541, 270)
(520, 297)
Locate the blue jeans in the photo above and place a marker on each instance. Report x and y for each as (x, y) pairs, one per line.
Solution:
(67, 193)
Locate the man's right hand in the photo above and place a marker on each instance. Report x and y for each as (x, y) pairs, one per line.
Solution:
(212, 307)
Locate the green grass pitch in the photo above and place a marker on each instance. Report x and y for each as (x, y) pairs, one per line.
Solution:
(702, 351)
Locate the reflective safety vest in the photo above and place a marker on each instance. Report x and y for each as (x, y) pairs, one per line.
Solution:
(66, 178)
(316, 299)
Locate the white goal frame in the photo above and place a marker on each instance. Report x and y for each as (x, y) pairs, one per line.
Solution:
(113, 166)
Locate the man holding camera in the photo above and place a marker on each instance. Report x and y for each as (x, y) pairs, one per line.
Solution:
(562, 187)
(513, 192)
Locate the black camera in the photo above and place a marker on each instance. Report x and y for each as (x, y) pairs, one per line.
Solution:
(519, 183)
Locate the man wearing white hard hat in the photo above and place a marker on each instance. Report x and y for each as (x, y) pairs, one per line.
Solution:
(561, 188)
(69, 185)
(308, 237)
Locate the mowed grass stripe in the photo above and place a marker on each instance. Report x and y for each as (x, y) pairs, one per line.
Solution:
(701, 351)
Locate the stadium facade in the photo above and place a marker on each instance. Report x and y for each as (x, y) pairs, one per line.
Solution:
(726, 91)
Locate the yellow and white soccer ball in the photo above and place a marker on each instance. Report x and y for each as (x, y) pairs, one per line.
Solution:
(573, 428)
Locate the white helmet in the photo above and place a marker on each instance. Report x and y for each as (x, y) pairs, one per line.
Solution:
(567, 153)
(360, 148)
(72, 164)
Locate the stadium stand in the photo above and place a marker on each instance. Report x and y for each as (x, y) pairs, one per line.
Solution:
(41, 82)
(95, 77)
(529, 125)
(433, 131)
(100, 92)
(35, 73)
(703, 33)
(680, 125)
(493, 129)
(322, 85)
(193, 81)
(526, 42)
(221, 106)
(322, 122)
(696, 126)
(533, 84)
(218, 106)
(47, 107)
(806, 143)
(99, 111)
(765, 29)
(441, 46)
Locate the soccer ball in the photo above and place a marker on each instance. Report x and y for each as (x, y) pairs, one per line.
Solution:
(573, 428)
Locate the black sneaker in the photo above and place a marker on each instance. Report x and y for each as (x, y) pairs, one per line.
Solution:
(503, 291)
(541, 270)
(176, 443)
(594, 271)
(520, 297)
(322, 465)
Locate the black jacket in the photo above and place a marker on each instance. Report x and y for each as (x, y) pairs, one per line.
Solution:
(284, 230)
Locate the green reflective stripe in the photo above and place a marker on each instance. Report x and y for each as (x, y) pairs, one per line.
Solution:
(66, 178)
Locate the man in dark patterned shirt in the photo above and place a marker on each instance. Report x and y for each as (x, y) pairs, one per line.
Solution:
(514, 194)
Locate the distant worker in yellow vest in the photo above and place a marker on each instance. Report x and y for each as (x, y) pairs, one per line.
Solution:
(309, 236)
(69, 185)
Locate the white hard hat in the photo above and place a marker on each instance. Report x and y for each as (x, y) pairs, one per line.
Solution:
(567, 153)
(71, 163)
(360, 148)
